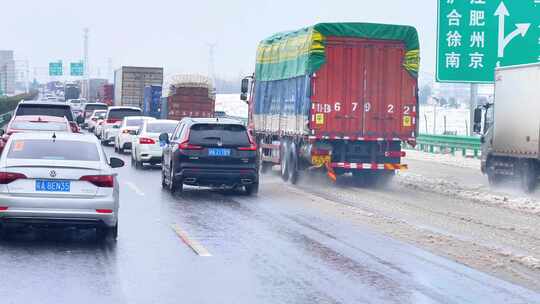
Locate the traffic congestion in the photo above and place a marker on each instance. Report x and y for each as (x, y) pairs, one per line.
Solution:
(346, 152)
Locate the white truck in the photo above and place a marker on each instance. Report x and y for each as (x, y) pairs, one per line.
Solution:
(511, 131)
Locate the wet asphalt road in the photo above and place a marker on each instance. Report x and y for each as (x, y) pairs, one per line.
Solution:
(284, 246)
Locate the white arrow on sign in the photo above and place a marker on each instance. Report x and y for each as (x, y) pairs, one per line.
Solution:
(521, 29)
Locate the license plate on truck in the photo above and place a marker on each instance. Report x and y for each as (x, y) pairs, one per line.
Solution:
(52, 186)
(219, 152)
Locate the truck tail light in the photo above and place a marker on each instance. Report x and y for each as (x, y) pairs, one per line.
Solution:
(395, 154)
(146, 141)
(103, 181)
(9, 177)
(187, 146)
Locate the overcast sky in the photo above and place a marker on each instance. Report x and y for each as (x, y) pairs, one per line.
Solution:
(174, 33)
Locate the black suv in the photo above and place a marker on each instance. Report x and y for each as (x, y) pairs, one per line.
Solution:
(210, 152)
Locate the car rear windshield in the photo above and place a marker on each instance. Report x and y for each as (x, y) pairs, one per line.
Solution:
(162, 127)
(211, 134)
(45, 109)
(54, 150)
(89, 108)
(100, 115)
(121, 113)
(134, 122)
(39, 126)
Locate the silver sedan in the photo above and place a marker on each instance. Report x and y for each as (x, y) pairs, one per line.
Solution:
(58, 179)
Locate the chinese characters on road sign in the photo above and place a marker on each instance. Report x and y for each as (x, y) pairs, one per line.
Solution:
(475, 36)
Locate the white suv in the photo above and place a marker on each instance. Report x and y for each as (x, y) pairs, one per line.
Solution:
(113, 119)
(128, 128)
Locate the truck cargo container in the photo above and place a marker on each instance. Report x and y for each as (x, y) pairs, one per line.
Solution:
(152, 101)
(71, 91)
(510, 142)
(190, 96)
(164, 109)
(340, 96)
(129, 84)
(106, 94)
(90, 88)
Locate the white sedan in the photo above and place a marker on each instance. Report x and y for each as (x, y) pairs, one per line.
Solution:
(128, 128)
(95, 118)
(59, 179)
(146, 147)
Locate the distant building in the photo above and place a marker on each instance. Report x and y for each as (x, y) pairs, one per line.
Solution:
(7, 72)
(129, 84)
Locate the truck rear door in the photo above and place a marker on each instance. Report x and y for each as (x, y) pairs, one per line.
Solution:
(363, 90)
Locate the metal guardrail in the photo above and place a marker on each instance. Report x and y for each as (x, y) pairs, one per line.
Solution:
(5, 118)
(449, 143)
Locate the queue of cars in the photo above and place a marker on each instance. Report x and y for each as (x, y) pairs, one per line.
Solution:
(53, 175)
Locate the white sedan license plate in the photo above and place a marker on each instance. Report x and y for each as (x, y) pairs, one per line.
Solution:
(52, 186)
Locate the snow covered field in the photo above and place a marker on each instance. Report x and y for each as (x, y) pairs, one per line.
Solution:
(232, 105)
(456, 120)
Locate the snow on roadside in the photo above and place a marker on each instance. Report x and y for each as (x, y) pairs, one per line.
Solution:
(456, 160)
(476, 194)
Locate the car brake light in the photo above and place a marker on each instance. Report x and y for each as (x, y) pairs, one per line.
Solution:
(252, 147)
(104, 211)
(187, 146)
(8, 177)
(146, 141)
(112, 121)
(74, 127)
(252, 144)
(104, 181)
(3, 208)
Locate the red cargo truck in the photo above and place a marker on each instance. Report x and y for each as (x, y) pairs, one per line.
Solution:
(190, 96)
(106, 94)
(342, 96)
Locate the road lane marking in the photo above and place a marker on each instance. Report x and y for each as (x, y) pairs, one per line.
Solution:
(134, 188)
(193, 244)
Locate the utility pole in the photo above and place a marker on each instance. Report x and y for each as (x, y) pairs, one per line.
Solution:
(85, 83)
(211, 62)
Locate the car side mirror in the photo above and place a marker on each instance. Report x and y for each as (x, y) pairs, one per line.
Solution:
(244, 97)
(164, 138)
(80, 120)
(245, 86)
(2, 132)
(477, 127)
(115, 162)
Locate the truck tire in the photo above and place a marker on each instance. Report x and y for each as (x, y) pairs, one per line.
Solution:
(529, 176)
(264, 167)
(293, 164)
(284, 162)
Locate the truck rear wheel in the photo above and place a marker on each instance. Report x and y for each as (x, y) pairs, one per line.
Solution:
(293, 164)
(529, 176)
(284, 161)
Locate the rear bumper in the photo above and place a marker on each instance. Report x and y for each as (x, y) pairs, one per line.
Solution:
(369, 166)
(149, 153)
(58, 210)
(217, 178)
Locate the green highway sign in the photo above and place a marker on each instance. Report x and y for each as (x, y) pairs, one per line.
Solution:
(77, 68)
(475, 36)
(56, 68)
